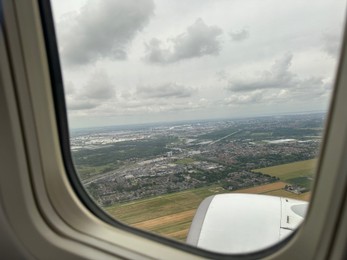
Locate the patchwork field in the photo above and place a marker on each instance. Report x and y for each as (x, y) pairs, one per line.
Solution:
(171, 214)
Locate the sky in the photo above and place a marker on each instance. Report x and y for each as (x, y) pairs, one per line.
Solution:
(143, 61)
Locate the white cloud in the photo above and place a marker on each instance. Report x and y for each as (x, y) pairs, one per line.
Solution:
(183, 54)
(331, 43)
(198, 40)
(239, 36)
(102, 29)
(73, 104)
(99, 87)
(94, 93)
(167, 90)
(278, 76)
(277, 85)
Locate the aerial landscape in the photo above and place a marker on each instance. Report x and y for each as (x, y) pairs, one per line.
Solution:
(171, 102)
(154, 176)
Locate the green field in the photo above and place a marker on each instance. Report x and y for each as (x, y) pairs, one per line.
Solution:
(298, 173)
(85, 172)
(150, 208)
(301, 181)
(291, 170)
(169, 214)
(185, 161)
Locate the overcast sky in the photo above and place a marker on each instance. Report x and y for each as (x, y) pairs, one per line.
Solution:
(139, 61)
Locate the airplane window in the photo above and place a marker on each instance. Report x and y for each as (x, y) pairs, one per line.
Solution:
(200, 121)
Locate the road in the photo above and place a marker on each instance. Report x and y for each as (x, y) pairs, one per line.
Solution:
(220, 139)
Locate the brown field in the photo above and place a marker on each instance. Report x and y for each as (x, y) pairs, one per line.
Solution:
(169, 215)
(166, 220)
(176, 225)
(180, 235)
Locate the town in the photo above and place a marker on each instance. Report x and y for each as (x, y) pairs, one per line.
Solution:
(120, 164)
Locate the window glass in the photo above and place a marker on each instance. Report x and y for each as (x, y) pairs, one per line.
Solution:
(199, 109)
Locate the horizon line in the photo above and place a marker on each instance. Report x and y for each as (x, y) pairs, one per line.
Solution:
(200, 120)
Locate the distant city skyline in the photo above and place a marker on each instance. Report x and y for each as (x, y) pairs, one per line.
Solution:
(135, 62)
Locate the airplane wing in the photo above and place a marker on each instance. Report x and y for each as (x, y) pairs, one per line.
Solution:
(240, 223)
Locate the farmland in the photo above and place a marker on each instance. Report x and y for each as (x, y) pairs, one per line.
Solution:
(298, 173)
(168, 215)
(171, 214)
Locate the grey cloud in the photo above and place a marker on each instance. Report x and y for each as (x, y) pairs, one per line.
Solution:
(246, 98)
(331, 44)
(238, 36)
(69, 88)
(221, 75)
(198, 40)
(314, 90)
(277, 85)
(168, 90)
(140, 107)
(98, 87)
(268, 96)
(103, 29)
(278, 76)
(81, 105)
(155, 52)
(97, 91)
